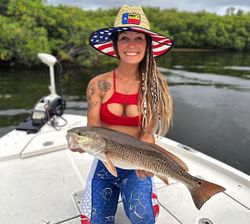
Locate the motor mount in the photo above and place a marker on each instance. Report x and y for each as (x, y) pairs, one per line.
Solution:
(47, 106)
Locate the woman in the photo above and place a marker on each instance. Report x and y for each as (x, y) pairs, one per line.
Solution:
(134, 99)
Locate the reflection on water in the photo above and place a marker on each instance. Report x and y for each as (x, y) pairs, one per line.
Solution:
(238, 68)
(214, 121)
(211, 94)
(181, 77)
(214, 62)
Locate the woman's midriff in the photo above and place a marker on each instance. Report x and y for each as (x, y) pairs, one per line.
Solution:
(133, 131)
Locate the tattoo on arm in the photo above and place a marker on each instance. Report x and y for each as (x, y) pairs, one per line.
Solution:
(90, 92)
(104, 86)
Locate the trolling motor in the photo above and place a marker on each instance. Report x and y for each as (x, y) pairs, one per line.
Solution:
(47, 106)
(52, 104)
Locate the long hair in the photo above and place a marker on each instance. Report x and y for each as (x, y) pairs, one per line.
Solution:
(156, 101)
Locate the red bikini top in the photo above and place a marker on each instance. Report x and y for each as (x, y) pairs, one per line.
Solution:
(125, 99)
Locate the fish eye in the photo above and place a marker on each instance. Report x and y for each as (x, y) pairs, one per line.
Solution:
(79, 132)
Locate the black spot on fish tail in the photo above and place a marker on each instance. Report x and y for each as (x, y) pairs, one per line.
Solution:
(204, 191)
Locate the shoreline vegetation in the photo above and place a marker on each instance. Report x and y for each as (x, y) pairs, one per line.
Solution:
(29, 27)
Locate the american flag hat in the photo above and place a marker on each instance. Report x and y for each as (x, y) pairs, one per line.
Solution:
(129, 18)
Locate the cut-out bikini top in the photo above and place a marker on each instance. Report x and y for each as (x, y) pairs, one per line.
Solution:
(108, 117)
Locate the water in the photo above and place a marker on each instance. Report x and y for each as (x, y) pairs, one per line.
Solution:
(211, 94)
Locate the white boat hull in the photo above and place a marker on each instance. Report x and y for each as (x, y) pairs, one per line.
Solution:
(41, 180)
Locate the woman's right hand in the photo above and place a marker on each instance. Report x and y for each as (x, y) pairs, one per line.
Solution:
(76, 150)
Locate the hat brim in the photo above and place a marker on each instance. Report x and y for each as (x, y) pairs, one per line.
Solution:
(101, 40)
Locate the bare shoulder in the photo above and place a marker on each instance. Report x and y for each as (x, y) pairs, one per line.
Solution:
(105, 76)
(102, 82)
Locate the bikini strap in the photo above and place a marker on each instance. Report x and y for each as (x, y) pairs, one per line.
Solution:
(114, 81)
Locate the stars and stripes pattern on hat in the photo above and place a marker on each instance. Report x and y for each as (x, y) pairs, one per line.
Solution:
(101, 40)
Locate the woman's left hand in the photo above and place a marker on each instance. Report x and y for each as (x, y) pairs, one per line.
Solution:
(143, 173)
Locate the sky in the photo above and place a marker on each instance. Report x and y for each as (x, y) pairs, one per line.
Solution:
(215, 6)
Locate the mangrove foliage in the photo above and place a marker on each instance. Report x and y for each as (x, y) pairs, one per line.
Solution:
(31, 26)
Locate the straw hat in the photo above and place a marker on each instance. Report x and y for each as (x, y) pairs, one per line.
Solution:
(129, 18)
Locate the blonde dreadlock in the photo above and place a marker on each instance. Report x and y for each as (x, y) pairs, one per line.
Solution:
(156, 101)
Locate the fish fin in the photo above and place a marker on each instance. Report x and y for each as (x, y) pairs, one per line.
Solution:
(164, 179)
(204, 191)
(110, 166)
(172, 156)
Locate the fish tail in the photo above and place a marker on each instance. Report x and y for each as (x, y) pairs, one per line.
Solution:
(203, 191)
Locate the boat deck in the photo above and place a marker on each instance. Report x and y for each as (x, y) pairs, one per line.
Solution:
(41, 182)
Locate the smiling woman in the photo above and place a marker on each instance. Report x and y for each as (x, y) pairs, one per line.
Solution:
(133, 99)
(131, 47)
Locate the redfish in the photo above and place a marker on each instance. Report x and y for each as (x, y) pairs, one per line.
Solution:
(116, 149)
